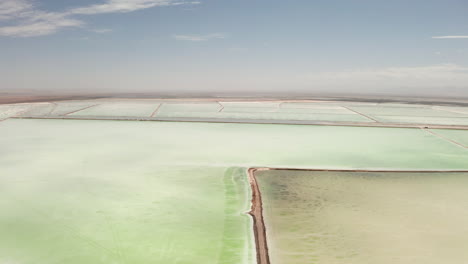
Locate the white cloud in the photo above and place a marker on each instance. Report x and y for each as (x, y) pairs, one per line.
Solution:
(13, 8)
(123, 6)
(37, 23)
(25, 20)
(198, 38)
(38, 28)
(450, 37)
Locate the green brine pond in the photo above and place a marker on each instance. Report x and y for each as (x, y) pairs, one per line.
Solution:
(121, 192)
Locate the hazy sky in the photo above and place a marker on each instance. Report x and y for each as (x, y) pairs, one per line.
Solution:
(351, 46)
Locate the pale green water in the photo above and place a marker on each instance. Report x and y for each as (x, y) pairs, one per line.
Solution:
(205, 144)
(263, 110)
(319, 105)
(243, 104)
(77, 191)
(125, 215)
(298, 111)
(144, 109)
(7, 111)
(462, 110)
(405, 111)
(460, 136)
(168, 108)
(231, 109)
(64, 108)
(40, 109)
(250, 115)
(345, 218)
(342, 111)
(423, 120)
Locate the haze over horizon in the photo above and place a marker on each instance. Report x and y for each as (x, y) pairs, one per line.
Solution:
(401, 48)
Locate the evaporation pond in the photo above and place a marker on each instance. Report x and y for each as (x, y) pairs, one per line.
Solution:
(351, 217)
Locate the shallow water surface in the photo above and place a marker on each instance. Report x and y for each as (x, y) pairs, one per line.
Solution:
(342, 217)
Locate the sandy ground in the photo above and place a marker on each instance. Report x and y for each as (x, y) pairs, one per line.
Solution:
(24, 96)
(18, 98)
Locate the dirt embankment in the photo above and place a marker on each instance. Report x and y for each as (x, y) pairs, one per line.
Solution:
(259, 225)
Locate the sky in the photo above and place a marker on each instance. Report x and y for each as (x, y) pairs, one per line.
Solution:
(398, 47)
